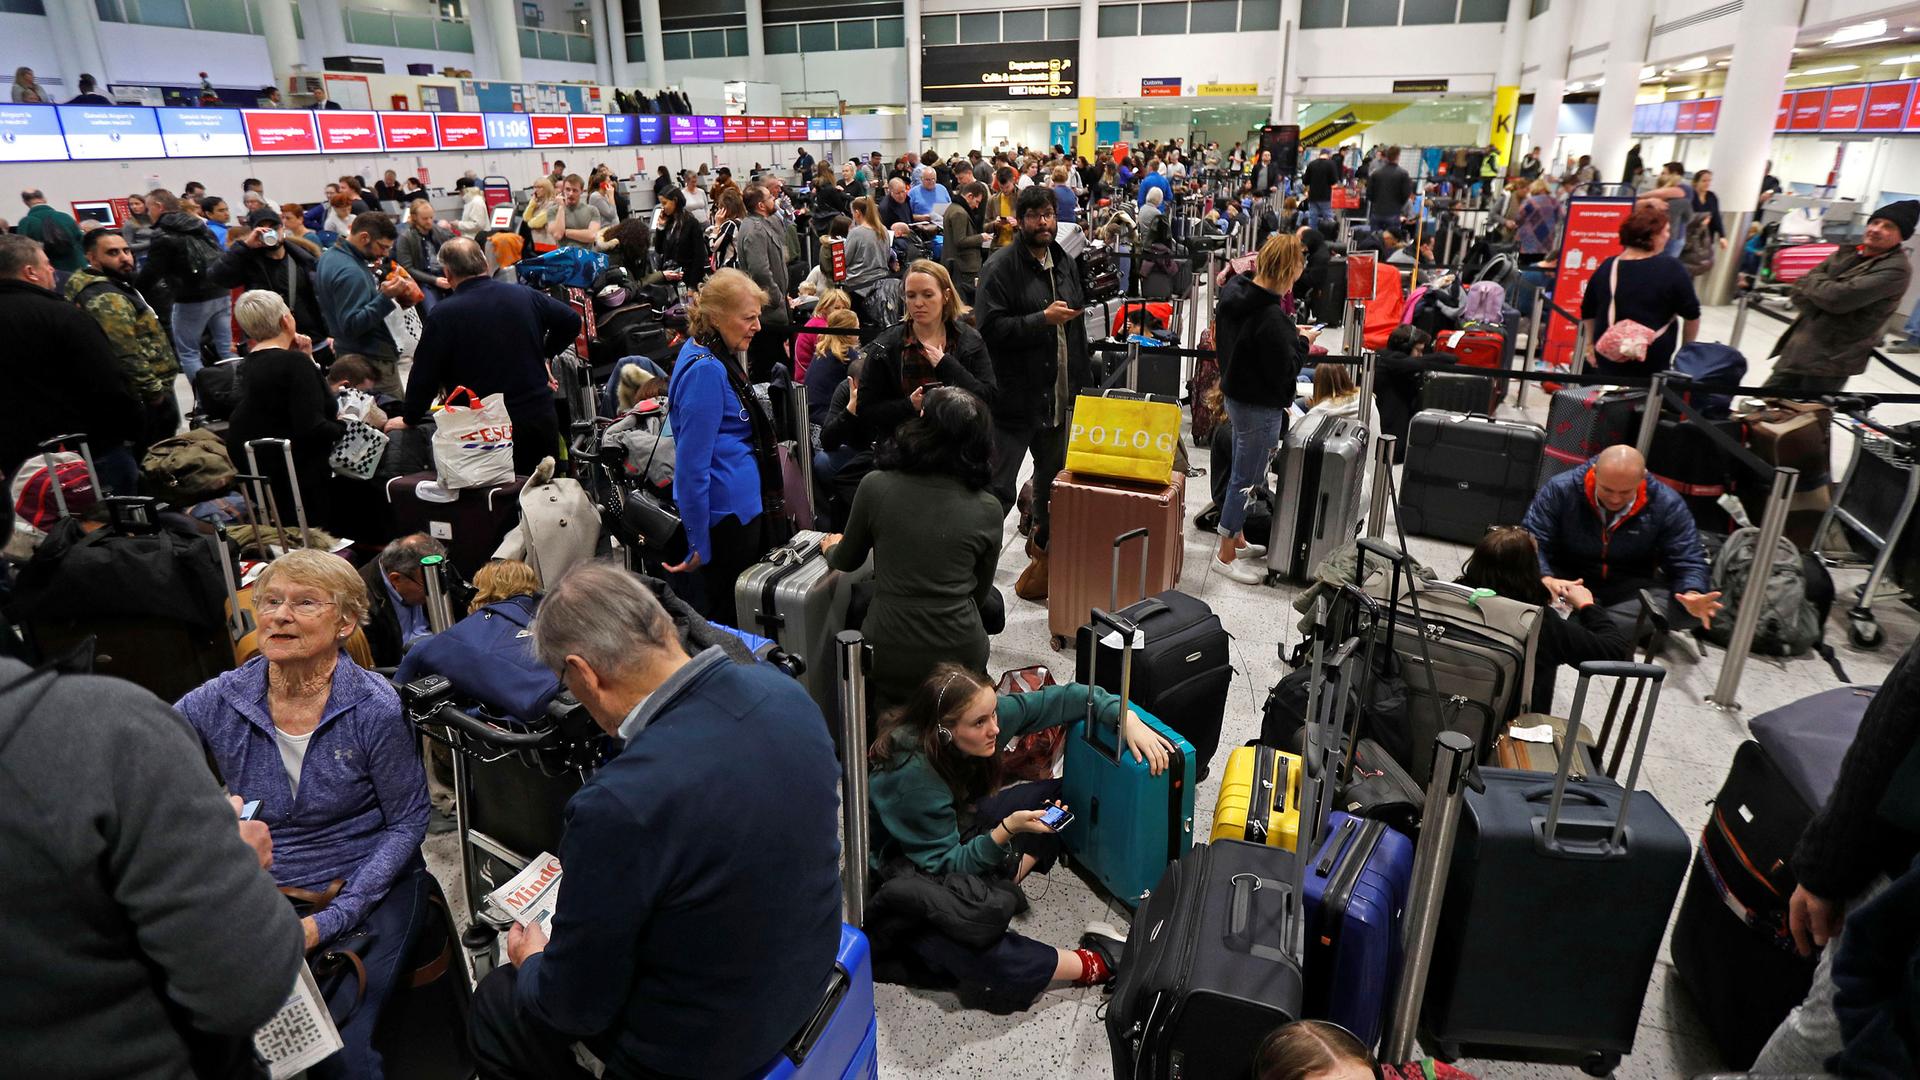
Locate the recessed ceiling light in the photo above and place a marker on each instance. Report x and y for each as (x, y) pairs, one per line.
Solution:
(1649, 71)
(1694, 64)
(1830, 69)
(1860, 31)
(1910, 58)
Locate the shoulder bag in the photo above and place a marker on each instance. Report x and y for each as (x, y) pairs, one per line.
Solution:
(1624, 341)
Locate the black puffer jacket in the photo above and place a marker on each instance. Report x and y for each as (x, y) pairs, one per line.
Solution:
(246, 267)
(1010, 299)
(170, 259)
(73, 384)
(1261, 351)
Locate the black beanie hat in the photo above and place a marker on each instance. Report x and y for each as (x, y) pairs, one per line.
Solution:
(1904, 214)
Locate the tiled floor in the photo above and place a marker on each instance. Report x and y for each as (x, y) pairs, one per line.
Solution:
(926, 1034)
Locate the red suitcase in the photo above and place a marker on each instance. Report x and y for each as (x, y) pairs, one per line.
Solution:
(1474, 348)
(1087, 514)
(1792, 262)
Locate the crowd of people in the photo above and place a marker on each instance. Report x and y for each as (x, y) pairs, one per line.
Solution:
(933, 373)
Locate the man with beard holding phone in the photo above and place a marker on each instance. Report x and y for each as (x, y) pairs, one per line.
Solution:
(1028, 305)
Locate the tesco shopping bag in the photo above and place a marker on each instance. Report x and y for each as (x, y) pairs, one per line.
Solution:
(472, 441)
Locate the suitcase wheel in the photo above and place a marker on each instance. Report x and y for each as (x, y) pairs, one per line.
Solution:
(1600, 1064)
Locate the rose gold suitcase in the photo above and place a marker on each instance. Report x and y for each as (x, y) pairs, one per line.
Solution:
(1087, 514)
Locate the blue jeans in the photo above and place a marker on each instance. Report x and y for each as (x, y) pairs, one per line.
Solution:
(1678, 241)
(190, 320)
(390, 928)
(1320, 216)
(1256, 431)
(1913, 325)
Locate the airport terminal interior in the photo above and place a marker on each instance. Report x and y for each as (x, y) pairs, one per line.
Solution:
(1772, 147)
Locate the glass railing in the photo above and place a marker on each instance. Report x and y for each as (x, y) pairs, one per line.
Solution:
(219, 16)
(536, 44)
(368, 26)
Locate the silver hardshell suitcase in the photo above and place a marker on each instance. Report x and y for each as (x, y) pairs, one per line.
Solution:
(794, 597)
(1317, 504)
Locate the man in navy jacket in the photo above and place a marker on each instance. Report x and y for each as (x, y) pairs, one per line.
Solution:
(1610, 527)
(493, 338)
(699, 911)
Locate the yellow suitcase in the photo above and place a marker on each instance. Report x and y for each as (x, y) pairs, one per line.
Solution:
(1260, 798)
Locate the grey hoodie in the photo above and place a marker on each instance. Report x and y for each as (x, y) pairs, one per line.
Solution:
(132, 904)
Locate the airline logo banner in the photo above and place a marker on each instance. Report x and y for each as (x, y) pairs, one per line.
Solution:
(279, 131)
(1886, 108)
(408, 131)
(461, 131)
(588, 130)
(1843, 108)
(550, 131)
(348, 132)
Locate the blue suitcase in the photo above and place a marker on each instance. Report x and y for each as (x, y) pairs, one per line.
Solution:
(1356, 888)
(1130, 824)
(839, 1042)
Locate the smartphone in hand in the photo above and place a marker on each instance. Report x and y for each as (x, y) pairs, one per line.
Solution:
(1056, 818)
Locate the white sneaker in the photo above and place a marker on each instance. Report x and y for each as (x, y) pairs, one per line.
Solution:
(1238, 571)
(1252, 551)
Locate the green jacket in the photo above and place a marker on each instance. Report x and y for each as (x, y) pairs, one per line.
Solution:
(141, 347)
(43, 219)
(1845, 304)
(915, 813)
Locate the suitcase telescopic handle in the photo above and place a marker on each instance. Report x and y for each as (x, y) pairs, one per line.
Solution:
(1146, 549)
(1098, 623)
(1550, 841)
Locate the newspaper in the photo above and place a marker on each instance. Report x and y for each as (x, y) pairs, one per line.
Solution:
(529, 899)
(301, 1034)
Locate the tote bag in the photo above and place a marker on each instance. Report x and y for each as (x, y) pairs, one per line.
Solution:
(473, 441)
(1123, 438)
(357, 453)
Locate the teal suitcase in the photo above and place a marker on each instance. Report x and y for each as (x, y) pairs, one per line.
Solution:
(1129, 824)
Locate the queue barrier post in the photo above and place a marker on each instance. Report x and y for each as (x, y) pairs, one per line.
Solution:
(1650, 416)
(853, 660)
(1382, 478)
(1753, 597)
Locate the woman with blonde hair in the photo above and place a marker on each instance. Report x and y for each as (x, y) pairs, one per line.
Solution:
(932, 346)
(1260, 352)
(804, 345)
(724, 443)
(503, 579)
(540, 208)
(27, 90)
(323, 746)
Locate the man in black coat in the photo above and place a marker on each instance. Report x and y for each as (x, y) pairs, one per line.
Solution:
(493, 338)
(1388, 189)
(260, 258)
(1322, 173)
(1028, 305)
(62, 375)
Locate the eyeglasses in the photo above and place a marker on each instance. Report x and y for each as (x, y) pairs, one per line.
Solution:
(305, 609)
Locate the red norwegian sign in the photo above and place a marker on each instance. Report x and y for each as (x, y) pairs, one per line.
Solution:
(1843, 109)
(1784, 117)
(1683, 122)
(1886, 108)
(280, 131)
(1592, 236)
(551, 130)
(1708, 117)
(1809, 109)
(408, 131)
(588, 130)
(461, 131)
(346, 132)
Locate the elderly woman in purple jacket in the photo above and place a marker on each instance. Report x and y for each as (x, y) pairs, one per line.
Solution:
(324, 747)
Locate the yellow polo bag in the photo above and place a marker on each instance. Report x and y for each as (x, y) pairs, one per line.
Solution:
(1123, 438)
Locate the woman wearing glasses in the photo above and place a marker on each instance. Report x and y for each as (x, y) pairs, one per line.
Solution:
(323, 746)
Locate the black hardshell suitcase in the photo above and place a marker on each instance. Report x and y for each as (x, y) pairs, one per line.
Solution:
(1731, 948)
(1455, 391)
(1555, 908)
(1466, 474)
(1584, 420)
(1183, 673)
(1212, 964)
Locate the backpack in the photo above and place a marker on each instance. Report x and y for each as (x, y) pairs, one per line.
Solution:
(1791, 622)
(189, 468)
(198, 252)
(1483, 304)
(55, 239)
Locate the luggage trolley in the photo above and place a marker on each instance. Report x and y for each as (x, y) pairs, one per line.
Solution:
(1876, 512)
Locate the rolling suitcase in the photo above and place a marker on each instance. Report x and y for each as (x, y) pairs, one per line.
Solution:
(1472, 348)
(1184, 670)
(1454, 391)
(1086, 516)
(840, 1041)
(1731, 948)
(1547, 874)
(1131, 823)
(470, 523)
(1213, 964)
(1584, 420)
(1317, 508)
(1259, 798)
(1466, 474)
(1356, 888)
(795, 598)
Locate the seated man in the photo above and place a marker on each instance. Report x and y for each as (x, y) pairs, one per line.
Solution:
(1607, 525)
(397, 597)
(699, 915)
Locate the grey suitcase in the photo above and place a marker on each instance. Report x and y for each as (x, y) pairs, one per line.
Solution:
(795, 598)
(1467, 661)
(1317, 502)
